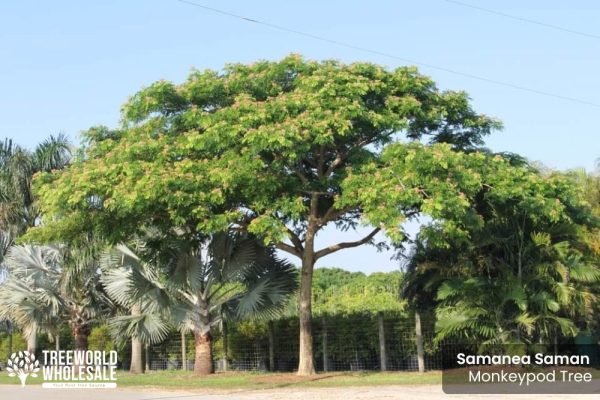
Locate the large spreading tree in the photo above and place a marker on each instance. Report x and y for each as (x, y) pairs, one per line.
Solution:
(281, 150)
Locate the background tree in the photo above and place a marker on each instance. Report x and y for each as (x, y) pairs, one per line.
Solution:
(48, 284)
(17, 168)
(526, 273)
(17, 209)
(339, 292)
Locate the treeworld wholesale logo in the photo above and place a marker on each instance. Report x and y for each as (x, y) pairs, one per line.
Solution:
(22, 365)
(66, 369)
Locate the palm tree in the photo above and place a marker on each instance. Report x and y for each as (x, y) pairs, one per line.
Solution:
(28, 297)
(17, 209)
(17, 168)
(48, 284)
(510, 283)
(195, 288)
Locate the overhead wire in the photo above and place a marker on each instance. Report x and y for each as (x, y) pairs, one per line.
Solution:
(392, 56)
(522, 19)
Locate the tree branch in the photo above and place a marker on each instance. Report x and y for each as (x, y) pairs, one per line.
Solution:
(333, 213)
(301, 175)
(295, 240)
(288, 249)
(321, 161)
(335, 163)
(344, 245)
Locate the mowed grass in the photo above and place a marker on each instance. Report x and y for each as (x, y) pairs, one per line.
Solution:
(258, 380)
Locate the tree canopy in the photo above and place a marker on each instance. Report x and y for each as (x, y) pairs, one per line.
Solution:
(282, 149)
(253, 142)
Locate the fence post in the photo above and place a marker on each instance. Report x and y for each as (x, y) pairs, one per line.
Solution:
(382, 351)
(183, 352)
(271, 346)
(325, 354)
(420, 352)
(225, 346)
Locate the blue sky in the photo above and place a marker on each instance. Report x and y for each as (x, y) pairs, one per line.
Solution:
(69, 65)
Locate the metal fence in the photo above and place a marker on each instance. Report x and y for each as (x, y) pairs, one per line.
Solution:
(341, 343)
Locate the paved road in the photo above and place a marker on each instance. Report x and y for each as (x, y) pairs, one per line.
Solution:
(429, 392)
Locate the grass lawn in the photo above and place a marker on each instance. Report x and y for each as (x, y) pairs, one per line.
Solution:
(259, 380)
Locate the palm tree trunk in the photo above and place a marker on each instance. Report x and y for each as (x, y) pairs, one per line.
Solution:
(81, 341)
(32, 338)
(80, 332)
(203, 364)
(136, 366)
(10, 344)
(147, 356)
(420, 350)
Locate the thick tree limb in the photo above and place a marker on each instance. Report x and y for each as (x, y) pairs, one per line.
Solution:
(344, 245)
(288, 249)
(295, 240)
(301, 175)
(335, 163)
(333, 213)
(321, 161)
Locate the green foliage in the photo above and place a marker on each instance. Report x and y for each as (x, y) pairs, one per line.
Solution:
(250, 144)
(17, 169)
(18, 343)
(47, 285)
(174, 284)
(526, 272)
(100, 339)
(336, 291)
(278, 150)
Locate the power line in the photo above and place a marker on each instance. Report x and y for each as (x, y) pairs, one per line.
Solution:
(393, 56)
(521, 19)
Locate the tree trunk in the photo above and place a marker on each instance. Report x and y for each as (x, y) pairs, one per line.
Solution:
(183, 352)
(80, 331)
(420, 350)
(382, 351)
(32, 338)
(203, 364)
(147, 357)
(10, 344)
(57, 341)
(306, 365)
(81, 334)
(271, 347)
(136, 366)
